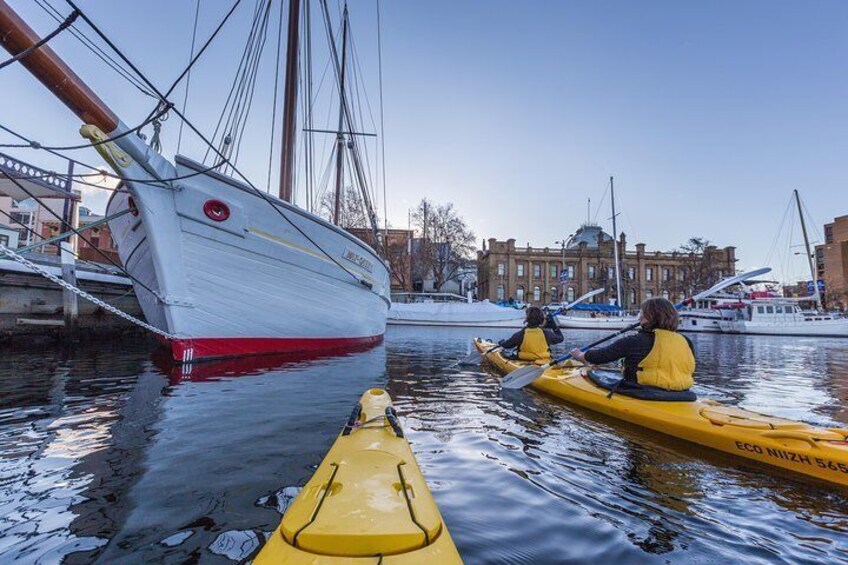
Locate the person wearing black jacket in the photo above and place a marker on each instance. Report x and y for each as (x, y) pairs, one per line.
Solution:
(534, 341)
(656, 355)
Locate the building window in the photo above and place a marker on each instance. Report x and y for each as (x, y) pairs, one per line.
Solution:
(554, 296)
(537, 294)
(611, 273)
(519, 293)
(519, 269)
(665, 294)
(666, 272)
(680, 274)
(537, 270)
(501, 269)
(760, 310)
(828, 234)
(649, 294)
(632, 297)
(649, 273)
(591, 271)
(553, 271)
(4, 240)
(569, 294)
(631, 274)
(570, 271)
(501, 292)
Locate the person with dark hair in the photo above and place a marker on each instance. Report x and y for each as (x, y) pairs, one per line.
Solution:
(654, 356)
(535, 340)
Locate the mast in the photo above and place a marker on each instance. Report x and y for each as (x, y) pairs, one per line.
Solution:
(813, 274)
(45, 65)
(287, 160)
(615, 248)
(340, 139)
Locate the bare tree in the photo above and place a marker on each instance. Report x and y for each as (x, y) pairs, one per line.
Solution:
(446, 245)
(701, 265)
(351, 211)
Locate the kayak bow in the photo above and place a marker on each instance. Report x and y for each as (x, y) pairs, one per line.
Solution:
(367, 502)
(796, 446)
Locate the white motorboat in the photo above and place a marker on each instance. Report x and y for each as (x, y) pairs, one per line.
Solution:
(783, 316)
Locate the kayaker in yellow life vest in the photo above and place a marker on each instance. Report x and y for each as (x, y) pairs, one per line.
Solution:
(656, 355)
(535, 340)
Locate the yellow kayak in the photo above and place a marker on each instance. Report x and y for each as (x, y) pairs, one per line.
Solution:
(367, 502)
(796, 446)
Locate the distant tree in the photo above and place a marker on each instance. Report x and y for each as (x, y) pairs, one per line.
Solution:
(446, 245)
(351, 211)
(699, 260)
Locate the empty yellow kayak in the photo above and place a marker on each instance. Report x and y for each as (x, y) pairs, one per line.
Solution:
(367, 502)
(796, 446)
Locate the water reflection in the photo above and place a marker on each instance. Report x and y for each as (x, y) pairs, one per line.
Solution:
(111, 455)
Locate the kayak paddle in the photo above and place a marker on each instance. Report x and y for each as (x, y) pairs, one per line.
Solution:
(475, 358)
(526, 375)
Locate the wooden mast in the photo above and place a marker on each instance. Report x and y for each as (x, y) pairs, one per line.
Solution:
(809, 254)
(287, 160)
(340, 138)
(45, 65)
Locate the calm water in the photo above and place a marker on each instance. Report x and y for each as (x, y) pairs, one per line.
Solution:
(107, 455)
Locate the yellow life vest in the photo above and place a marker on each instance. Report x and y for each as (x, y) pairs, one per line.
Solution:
(670, 364)
(534, 346)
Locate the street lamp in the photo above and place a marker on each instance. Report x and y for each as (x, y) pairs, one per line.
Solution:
(562, 270)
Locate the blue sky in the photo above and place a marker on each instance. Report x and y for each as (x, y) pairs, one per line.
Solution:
(707, 114)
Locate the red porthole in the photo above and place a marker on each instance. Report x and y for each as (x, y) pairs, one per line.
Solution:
(216, 210)
(131, 205)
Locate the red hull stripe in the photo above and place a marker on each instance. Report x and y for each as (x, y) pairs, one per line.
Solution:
(187, 350)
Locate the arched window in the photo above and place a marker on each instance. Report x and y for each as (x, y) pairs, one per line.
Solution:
(537, 294)
(519, 293)
(501, 292)
(665, 294)
(554, 295)
(570, 294)
(649, 293)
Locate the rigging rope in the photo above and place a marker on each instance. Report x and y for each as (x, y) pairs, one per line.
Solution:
(382, 126)
(163, 109)
(23, 54)
(209, 143)
(94, 48)
(77, 233)
(188, 73)
(274, 101)
(36, 234)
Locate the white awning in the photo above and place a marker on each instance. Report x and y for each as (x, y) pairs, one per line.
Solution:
(28, 178)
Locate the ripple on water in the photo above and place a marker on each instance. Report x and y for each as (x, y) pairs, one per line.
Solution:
(106, 455)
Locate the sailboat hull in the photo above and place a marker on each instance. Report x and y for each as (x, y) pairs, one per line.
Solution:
(229, 274)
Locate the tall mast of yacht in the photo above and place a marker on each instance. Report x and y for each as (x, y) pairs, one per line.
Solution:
(813, 274)
(618, 301)
(340, 138)
(287, 160)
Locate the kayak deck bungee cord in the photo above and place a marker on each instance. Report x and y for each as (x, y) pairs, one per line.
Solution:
(367, 502)
(795, 446)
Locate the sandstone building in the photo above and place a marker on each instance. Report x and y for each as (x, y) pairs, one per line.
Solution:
(534, 274)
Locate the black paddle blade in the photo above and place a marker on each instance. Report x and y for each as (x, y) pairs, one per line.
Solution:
(522, 377)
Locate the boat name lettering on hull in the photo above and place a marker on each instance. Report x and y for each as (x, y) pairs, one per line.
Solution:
(359, 260)
(791, 456)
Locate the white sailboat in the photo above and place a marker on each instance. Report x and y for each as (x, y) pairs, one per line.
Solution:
(783, 316)
(614, 321)
(219, 266)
